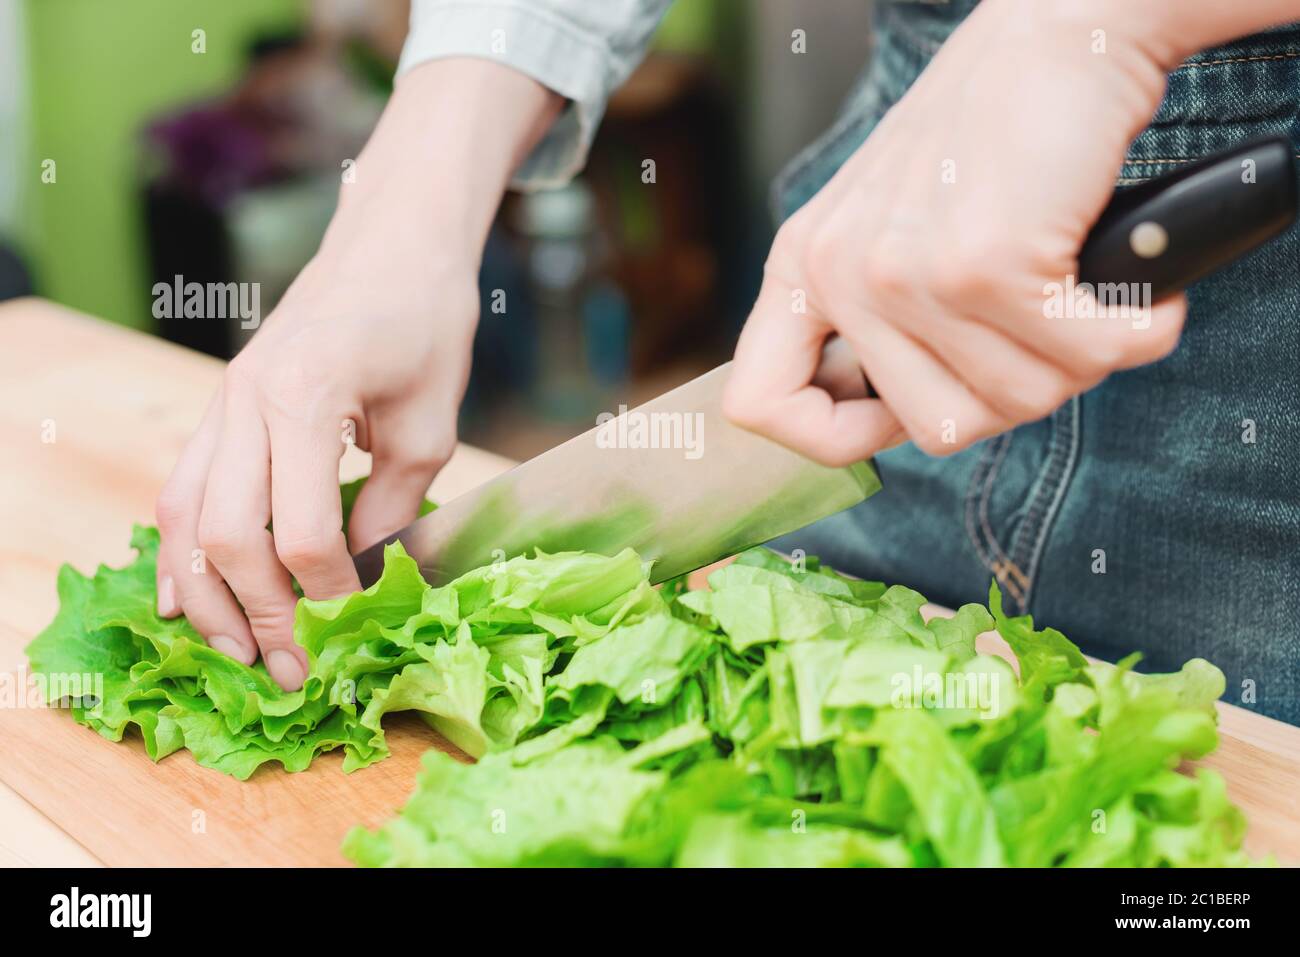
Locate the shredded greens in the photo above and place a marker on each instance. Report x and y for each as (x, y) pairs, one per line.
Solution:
(786, 715)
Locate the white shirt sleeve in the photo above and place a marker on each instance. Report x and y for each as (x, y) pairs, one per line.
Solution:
(581, 49)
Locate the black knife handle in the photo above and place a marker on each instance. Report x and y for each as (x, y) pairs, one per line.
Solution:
(1175, 229)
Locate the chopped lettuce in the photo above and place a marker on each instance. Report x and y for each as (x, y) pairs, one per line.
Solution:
(787, 715)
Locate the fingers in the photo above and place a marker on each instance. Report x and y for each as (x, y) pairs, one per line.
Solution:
(770, 391)
(402, 470)
(1071, 330)
(951, 382)
(939, 412)
(308, 526)
(187, 582)
(389, 501)
(232, 531)
(1018, 384)
(1154, 334)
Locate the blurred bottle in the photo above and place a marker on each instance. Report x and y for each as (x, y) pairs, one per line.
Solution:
(582, 317)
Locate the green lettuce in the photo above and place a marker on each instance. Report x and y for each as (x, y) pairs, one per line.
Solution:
(786, 715)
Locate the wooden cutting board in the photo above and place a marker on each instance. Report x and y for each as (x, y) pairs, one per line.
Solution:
(119, 406)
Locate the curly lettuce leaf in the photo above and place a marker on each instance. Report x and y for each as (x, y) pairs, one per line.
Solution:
(785, 716)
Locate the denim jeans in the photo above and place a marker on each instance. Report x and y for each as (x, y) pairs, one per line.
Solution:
(1158, 512)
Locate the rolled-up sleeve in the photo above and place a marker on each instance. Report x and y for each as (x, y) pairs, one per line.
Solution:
(581, 49)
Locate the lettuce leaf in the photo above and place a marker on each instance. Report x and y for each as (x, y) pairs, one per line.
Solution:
(785, 716)
(469, 657)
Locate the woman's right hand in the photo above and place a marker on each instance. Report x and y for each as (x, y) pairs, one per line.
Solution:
(370, 345)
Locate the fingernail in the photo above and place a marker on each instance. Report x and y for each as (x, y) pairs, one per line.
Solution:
(286, 669)
(167, 598)
(229, 647)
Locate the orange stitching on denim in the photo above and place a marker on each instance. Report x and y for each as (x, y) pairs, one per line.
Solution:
(1006, 568)
(1240, 59)
(999, 570)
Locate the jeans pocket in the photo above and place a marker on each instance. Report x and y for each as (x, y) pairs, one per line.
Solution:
(1014, 495)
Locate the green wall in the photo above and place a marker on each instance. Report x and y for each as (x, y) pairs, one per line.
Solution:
(98, 70)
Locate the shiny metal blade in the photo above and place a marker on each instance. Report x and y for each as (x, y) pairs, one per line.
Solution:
(672, 479)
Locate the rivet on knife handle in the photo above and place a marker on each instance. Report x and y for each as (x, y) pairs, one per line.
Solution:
(1175, 229)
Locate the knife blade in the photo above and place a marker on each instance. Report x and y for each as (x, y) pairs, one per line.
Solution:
(677, 482)
(672, 479)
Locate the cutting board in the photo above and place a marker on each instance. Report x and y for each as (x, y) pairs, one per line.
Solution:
(121, 406)
(118, 407)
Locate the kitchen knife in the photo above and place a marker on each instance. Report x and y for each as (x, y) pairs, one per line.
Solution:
(672, 479)
(678, 483)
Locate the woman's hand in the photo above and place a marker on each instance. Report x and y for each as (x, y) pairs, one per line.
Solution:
(932, 249)
(370, 345)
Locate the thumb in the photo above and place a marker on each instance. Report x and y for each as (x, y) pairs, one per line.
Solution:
(774, 387)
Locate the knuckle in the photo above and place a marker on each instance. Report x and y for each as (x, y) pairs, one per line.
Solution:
(966, 275)
(1021, 407)
(172, 508)
(294, 382)
(1086, 368)
(788, 255)
(211, 617)
(1024, 400)
(270, 622)
(221, 537)
(817, 246)
(1049, 402)
(823, 264)
(431, 454)
(241, 372)
(298, 549)
(930, 440)
(891, 274)
(928, 445)
(792, 236)
(1064, 389)
(1166, 338)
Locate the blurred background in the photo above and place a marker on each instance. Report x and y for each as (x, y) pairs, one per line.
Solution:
(224, 165)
